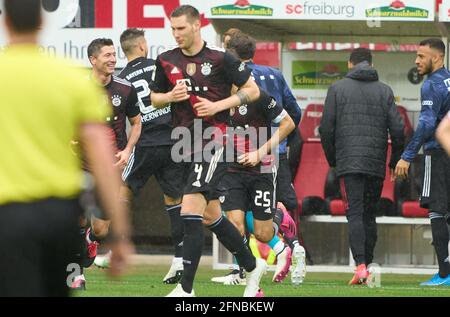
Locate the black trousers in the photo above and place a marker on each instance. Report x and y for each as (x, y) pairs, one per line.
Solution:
(361, 194)
(38, 245)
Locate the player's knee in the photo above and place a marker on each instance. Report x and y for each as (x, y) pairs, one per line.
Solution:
(264, 234)
(101, 228)
(172, 201)
(237, 222)
(240, 227)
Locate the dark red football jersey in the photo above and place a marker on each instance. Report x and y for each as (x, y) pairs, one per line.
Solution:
(209, 74)
(253, 127)
(125, 104)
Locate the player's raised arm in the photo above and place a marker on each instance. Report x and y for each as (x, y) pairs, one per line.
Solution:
(278, 116)
(238, 73)
(162, 95)
(177, 94)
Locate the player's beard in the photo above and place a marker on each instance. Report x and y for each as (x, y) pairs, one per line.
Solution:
(428, 68)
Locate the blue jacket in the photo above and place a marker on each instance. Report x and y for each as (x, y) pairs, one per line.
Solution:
(272, 81)
(435, 98)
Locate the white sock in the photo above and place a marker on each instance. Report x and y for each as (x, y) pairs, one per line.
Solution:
(279, 247)
(79, 277)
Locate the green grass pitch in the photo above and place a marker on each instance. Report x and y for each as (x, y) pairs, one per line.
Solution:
(146, 280)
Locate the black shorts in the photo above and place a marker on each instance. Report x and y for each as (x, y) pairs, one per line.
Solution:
(204, 177)
(250, 192)
(435, 194)
(38, 244)
(154, 160)
(285, 190)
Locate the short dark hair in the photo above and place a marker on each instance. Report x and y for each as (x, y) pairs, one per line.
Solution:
(435, 43)
(244, 45)
(231, 32)
(189, 11)
(128, 38)
(360, 55)
(97, 44)
(25, 15)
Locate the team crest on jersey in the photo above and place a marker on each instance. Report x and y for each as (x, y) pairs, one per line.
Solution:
(191, 69)
(241, 67)
(206, 69)
(243, 110)
(222, 199)
(116, 100)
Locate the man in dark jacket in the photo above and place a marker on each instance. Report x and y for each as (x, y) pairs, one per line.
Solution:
(359, 113)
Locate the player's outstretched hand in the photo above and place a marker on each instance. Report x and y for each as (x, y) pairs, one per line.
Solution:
(179, 93)
(205, 108)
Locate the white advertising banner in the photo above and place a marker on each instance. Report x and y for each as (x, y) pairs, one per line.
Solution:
(383, 10)
(70, 25)
(444, 11)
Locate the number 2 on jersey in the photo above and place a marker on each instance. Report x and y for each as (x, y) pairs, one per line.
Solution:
(143, 91)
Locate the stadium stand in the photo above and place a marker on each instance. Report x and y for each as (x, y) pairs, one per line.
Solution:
(309, 181)
(317, 187)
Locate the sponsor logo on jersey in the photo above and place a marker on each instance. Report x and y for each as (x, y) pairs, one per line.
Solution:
(427, 103)
(116, 100)
(196, 184)
(268, 211)
(241, 67)
(191, 69)
(175, 70)
(243, 110)
(272, 104)
(447, 83)
(206, 69)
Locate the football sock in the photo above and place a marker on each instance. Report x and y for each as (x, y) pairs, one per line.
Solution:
(192, 249)
(229, 236)
(176, 228)
(439, 232)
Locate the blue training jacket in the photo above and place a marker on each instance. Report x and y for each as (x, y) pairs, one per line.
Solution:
(272, 81)
(435, 98)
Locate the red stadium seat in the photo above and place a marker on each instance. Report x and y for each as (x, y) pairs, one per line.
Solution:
(409, 191)
(387, 204)
(309, 182)
(337, 207)
(407, 206)
(413, 209)
(408, 125)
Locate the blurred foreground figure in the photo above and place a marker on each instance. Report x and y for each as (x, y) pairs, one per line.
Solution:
(46, 103)
(443, 133)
